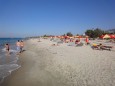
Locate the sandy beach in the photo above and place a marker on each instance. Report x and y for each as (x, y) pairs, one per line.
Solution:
(47, 65)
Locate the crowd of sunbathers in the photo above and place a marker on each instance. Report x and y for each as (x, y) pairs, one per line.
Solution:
(75, 41)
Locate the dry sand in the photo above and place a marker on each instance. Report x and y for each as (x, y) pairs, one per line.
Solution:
(46, 65)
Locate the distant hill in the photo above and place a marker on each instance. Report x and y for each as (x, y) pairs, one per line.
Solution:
(111, 31)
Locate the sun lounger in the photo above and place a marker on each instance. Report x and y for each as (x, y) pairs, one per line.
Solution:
(102, 47)
(71, 44)
(106, 48)
(80, 44)
(60, 42)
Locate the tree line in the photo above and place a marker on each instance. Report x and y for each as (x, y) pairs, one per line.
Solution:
(92, 33)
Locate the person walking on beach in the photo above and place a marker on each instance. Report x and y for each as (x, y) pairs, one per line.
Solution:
(7, 48)
(18, 47)
(21, 46)
(87, 41)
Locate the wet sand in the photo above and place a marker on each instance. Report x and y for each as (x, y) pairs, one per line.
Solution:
(47, 65)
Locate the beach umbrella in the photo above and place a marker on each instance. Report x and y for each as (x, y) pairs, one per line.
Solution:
(66, 37)
(87, 36)
(58, 36)
(78, 36)
(106, 36)
(62, 37)
(101, 36)
(72, 37)
(112, 36)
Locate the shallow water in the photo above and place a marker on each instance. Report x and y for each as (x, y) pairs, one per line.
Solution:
(8, 63)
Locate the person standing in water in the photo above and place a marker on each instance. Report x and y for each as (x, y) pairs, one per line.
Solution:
(21, 46)
(18, 47)
(7, 48)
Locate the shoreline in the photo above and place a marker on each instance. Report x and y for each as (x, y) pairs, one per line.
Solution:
(17, 77)
(45, 65)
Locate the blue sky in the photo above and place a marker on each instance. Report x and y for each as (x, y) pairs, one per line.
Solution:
(20, 18)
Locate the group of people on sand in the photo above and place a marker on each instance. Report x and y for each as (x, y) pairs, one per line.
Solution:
(19, 46)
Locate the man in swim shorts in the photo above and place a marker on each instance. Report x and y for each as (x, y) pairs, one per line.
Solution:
(21, 46)
(18, 47)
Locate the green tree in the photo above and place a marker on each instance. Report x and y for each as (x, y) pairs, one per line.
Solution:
(45, 35)
(89, 33)
(94, 33)
(77, 34)
(98, 32)
(69, 34)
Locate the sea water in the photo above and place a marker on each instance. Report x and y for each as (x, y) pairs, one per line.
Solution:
(8, 63)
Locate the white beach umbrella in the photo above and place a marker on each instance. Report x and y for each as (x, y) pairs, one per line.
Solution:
(106, 36)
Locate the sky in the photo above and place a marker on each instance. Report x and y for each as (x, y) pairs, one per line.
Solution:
(22, 18)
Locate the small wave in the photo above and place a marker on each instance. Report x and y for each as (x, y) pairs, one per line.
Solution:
(15, 61)
(4, 49)
(6, 70)
(7, 67)
(11, 50)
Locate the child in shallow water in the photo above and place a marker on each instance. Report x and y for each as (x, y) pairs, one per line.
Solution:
(7, 48)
